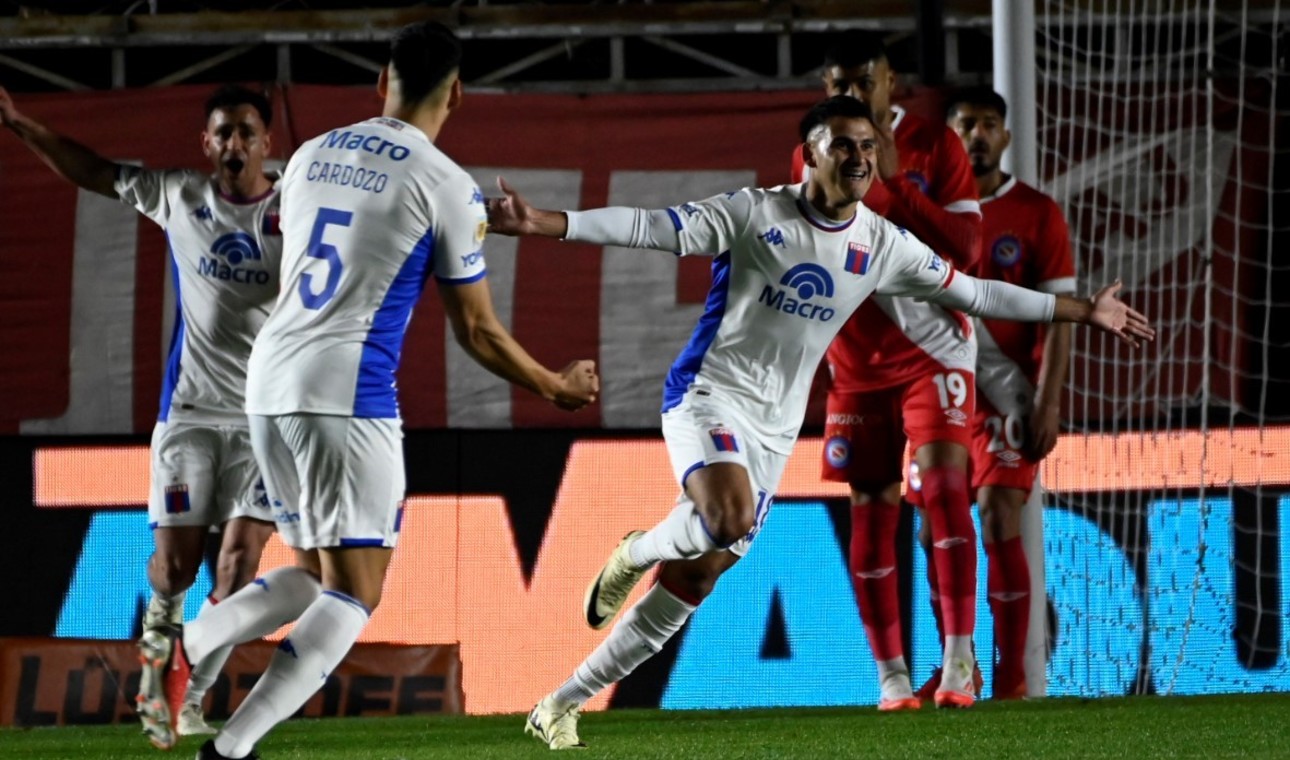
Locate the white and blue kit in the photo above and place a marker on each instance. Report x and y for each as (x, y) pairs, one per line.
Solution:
(784, 281)
(224, 255)
(370, 211)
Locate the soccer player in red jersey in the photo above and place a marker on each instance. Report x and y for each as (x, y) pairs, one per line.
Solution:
(1021, 369)
(902, 371)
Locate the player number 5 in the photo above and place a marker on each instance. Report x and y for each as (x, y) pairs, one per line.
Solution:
(328, 253)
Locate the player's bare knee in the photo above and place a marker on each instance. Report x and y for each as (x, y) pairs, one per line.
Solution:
(728, 521)
(177, 571)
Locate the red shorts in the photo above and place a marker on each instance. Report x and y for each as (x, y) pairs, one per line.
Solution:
(997, 455)
(865, 433)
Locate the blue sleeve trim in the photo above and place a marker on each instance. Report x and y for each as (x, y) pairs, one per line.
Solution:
(690, 469)
(676, 220)
(462, 280)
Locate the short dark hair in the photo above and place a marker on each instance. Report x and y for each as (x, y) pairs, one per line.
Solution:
(838, 105)
(977, 96)
(424, 54)
(234, 95)
(855, 47)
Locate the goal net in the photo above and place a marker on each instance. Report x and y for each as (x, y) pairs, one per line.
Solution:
(1161, 133)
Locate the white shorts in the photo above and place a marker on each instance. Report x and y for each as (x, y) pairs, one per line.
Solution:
(332, 481)
(704, 429)
(203, 475)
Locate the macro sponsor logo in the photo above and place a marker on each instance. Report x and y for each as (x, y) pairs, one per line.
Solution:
(808, 281)
(229, 252)
(374, 144)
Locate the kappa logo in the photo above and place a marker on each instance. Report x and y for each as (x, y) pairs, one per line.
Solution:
(773, 237)
(690, 209)
(477, 196)
(203, 212)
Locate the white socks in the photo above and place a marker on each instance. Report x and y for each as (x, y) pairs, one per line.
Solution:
(317, 644)
(639, 635)
(260, 608)
(163, 609)
(681, 535)
(207, 670)
(893, 679)
(957, 648)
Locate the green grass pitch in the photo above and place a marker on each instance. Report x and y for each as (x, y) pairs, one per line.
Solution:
(1139, 727)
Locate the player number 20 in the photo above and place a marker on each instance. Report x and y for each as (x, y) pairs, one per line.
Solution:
(1005, 433)
(951, 386)
(328, 253)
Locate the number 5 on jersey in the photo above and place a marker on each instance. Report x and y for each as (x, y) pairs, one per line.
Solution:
(328, 253)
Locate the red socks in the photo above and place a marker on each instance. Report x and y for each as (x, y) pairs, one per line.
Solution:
(873, 576)
(1009, 586)
(949, 511)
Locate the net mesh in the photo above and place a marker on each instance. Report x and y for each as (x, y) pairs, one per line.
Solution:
(1161, 134)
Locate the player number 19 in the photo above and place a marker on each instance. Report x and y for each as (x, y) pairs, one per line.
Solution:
(951, 386)
(328, 253)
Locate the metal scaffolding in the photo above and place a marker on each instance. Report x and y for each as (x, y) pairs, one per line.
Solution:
(733, 44)
(512, 46)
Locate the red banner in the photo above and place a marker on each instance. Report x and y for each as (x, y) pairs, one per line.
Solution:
(83, 281)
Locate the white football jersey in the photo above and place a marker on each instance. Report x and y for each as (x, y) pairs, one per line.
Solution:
(225, 256)
(784, 281)
(369, 211)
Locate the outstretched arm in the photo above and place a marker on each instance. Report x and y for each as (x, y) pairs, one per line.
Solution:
(996, 299)
(482, 335)
(628, 227)
(75, 162)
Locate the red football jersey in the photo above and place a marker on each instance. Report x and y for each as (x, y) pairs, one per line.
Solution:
(890, 341)
(1025, 242)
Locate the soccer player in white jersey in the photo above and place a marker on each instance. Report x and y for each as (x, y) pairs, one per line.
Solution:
(791, 265)
(370, 211)
(222, 231)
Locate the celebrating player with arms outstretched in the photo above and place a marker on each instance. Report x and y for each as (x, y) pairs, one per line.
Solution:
(370, 211)
(1021, 369)
(902, 370)
(223, 237)
(791, 264)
